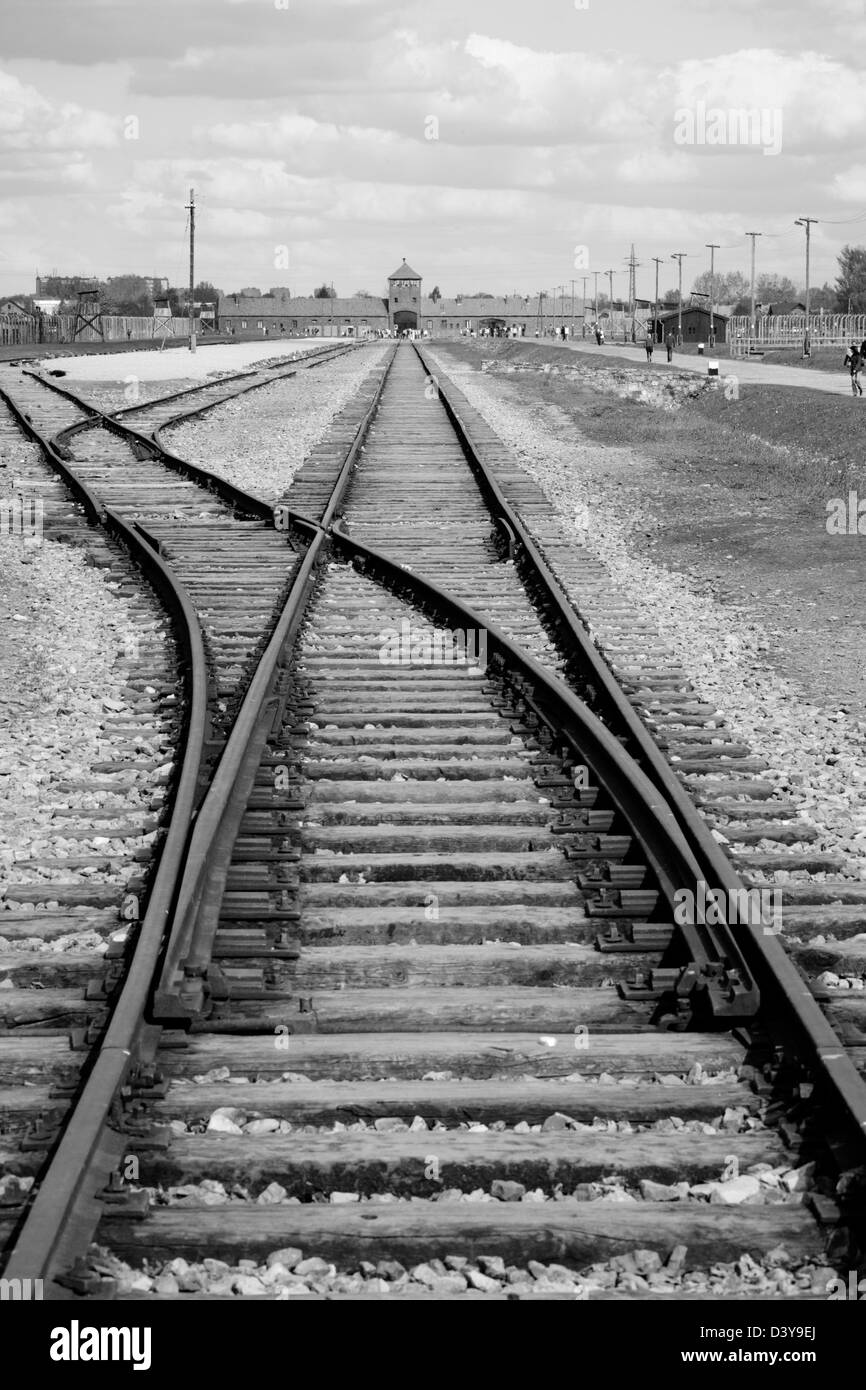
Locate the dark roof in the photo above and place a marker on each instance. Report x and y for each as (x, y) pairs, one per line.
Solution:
(404, 272)
(793, 306)
(497, 307)
(306, 306)
(693, 309)
(282, 305)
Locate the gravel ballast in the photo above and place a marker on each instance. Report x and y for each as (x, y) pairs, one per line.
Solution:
(65, 710)
(288, 1273)
(259, 441)
(817, 757)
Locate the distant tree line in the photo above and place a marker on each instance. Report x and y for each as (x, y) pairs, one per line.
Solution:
(119, 294)
(846, 296)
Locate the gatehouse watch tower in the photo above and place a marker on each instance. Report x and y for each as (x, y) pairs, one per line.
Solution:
(404, 298)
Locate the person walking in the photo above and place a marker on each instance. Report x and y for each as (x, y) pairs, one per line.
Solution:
(669, 344)
(854, 363)
(649, 345)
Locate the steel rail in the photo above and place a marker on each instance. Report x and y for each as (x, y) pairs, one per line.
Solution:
(246, 503)
(182, 988)
(280, 374)
(182, 994)
(93, 507)
(712, 946)
(570, 721)
(60, 1221)
(180, 991)
(714, 964)
(773, 969)
(290, 369)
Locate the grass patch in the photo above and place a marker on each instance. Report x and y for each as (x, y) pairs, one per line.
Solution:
(773, 440)
(822, 359)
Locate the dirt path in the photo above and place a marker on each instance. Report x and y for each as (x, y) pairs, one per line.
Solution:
(755, 373)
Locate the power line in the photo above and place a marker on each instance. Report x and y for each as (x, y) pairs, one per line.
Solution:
(843, 221)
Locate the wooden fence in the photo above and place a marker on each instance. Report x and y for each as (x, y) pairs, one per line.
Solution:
(60, 328)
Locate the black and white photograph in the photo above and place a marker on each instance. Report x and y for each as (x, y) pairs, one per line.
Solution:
(432, 679)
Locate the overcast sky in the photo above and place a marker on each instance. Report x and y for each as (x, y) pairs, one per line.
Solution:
(484, 140)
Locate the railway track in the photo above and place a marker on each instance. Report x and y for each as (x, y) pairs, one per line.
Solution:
(107, 823)
(425, 1017)
(218, 539)
(186, 663)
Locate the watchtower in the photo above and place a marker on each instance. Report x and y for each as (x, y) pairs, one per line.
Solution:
(404, 298)
(88, 315)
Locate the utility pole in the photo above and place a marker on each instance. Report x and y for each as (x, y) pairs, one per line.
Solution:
(658, 261)
(754, 236)
(583, 320)
(191, 211)
(632, 290)
(595, 305)
(806, 222)
(712, 247)
(609, 274)
(678, 257)
(572, 310)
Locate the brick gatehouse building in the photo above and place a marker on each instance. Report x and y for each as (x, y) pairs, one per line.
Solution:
(405, 307)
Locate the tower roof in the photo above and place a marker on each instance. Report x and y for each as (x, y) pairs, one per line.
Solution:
(404, 272)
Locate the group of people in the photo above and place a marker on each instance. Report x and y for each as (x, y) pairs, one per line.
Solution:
(855, 360)
(498, 331)
(650, 342)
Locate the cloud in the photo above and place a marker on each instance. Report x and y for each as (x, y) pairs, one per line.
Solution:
(310, 126)
(849, 184)
(87, 32)
(29, 121)
(821, 99)
(481, 90)
(352, 153)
